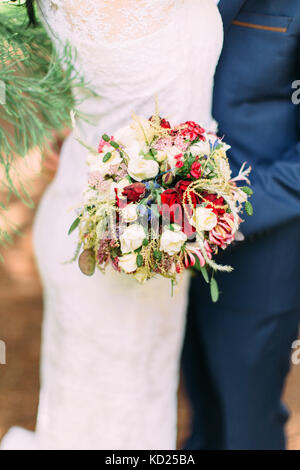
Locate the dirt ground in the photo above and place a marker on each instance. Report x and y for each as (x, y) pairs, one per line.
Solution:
(20, 326)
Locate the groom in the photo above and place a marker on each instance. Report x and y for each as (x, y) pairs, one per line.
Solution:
(237, 351)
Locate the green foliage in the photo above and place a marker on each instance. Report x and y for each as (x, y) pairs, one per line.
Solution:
(247, 190)
(139, 260)
(214, 290)
(74, 225)
(106, 157)
(38, 85)
(249, 208)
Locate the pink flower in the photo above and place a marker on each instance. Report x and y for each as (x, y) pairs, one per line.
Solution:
(115, 264)
(192, 252)
(162, 144)
(179, 164)
(102, 143)
(95, 179)
(180, 142)
(222, 234)
(113, 169)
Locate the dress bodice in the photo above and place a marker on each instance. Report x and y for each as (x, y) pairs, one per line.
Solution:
(133, 50)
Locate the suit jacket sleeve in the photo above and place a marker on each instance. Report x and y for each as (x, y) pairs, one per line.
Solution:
(276, 197)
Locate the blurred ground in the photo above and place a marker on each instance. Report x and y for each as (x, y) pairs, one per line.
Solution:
(20, 324)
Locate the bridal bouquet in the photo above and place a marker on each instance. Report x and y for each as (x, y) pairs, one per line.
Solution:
(159, 200)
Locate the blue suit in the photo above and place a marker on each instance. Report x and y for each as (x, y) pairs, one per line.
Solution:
(237, 352)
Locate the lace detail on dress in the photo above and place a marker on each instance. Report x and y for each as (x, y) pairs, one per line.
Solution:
(111, 20)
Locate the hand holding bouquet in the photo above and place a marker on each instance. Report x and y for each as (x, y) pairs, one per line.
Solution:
(159, 200)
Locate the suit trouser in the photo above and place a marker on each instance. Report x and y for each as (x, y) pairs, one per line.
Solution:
(237, 352)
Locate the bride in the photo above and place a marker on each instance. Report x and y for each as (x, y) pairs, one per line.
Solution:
(111, 348)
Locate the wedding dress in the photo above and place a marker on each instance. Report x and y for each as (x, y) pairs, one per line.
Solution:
(111, 347)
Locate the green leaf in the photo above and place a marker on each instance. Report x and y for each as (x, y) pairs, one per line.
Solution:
(139, 261)
(106, 157)
(87, 262)
(204, 274)
(214, 290)
(145, 242)
(106, 138)
(114, 144)
(149, 157)
(201, 269)
(249, 208)
(74, 225)
(247, 190)
(157, 255)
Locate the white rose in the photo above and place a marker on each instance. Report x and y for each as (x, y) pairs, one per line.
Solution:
(133, 151)
(204, 219)
(140, 169)
(125, 136)
(132, 238)
(201, 148)
(129, 213)
(171, 242)
(128, 263)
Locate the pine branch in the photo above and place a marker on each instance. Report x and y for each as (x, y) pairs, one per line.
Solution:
(38, 85)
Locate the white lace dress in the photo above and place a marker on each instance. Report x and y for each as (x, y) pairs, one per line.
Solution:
(111, 348)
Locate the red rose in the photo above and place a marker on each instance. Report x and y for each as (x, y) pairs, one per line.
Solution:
(217, 203)
(134, 192)
(181, 187)
(171, 198)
